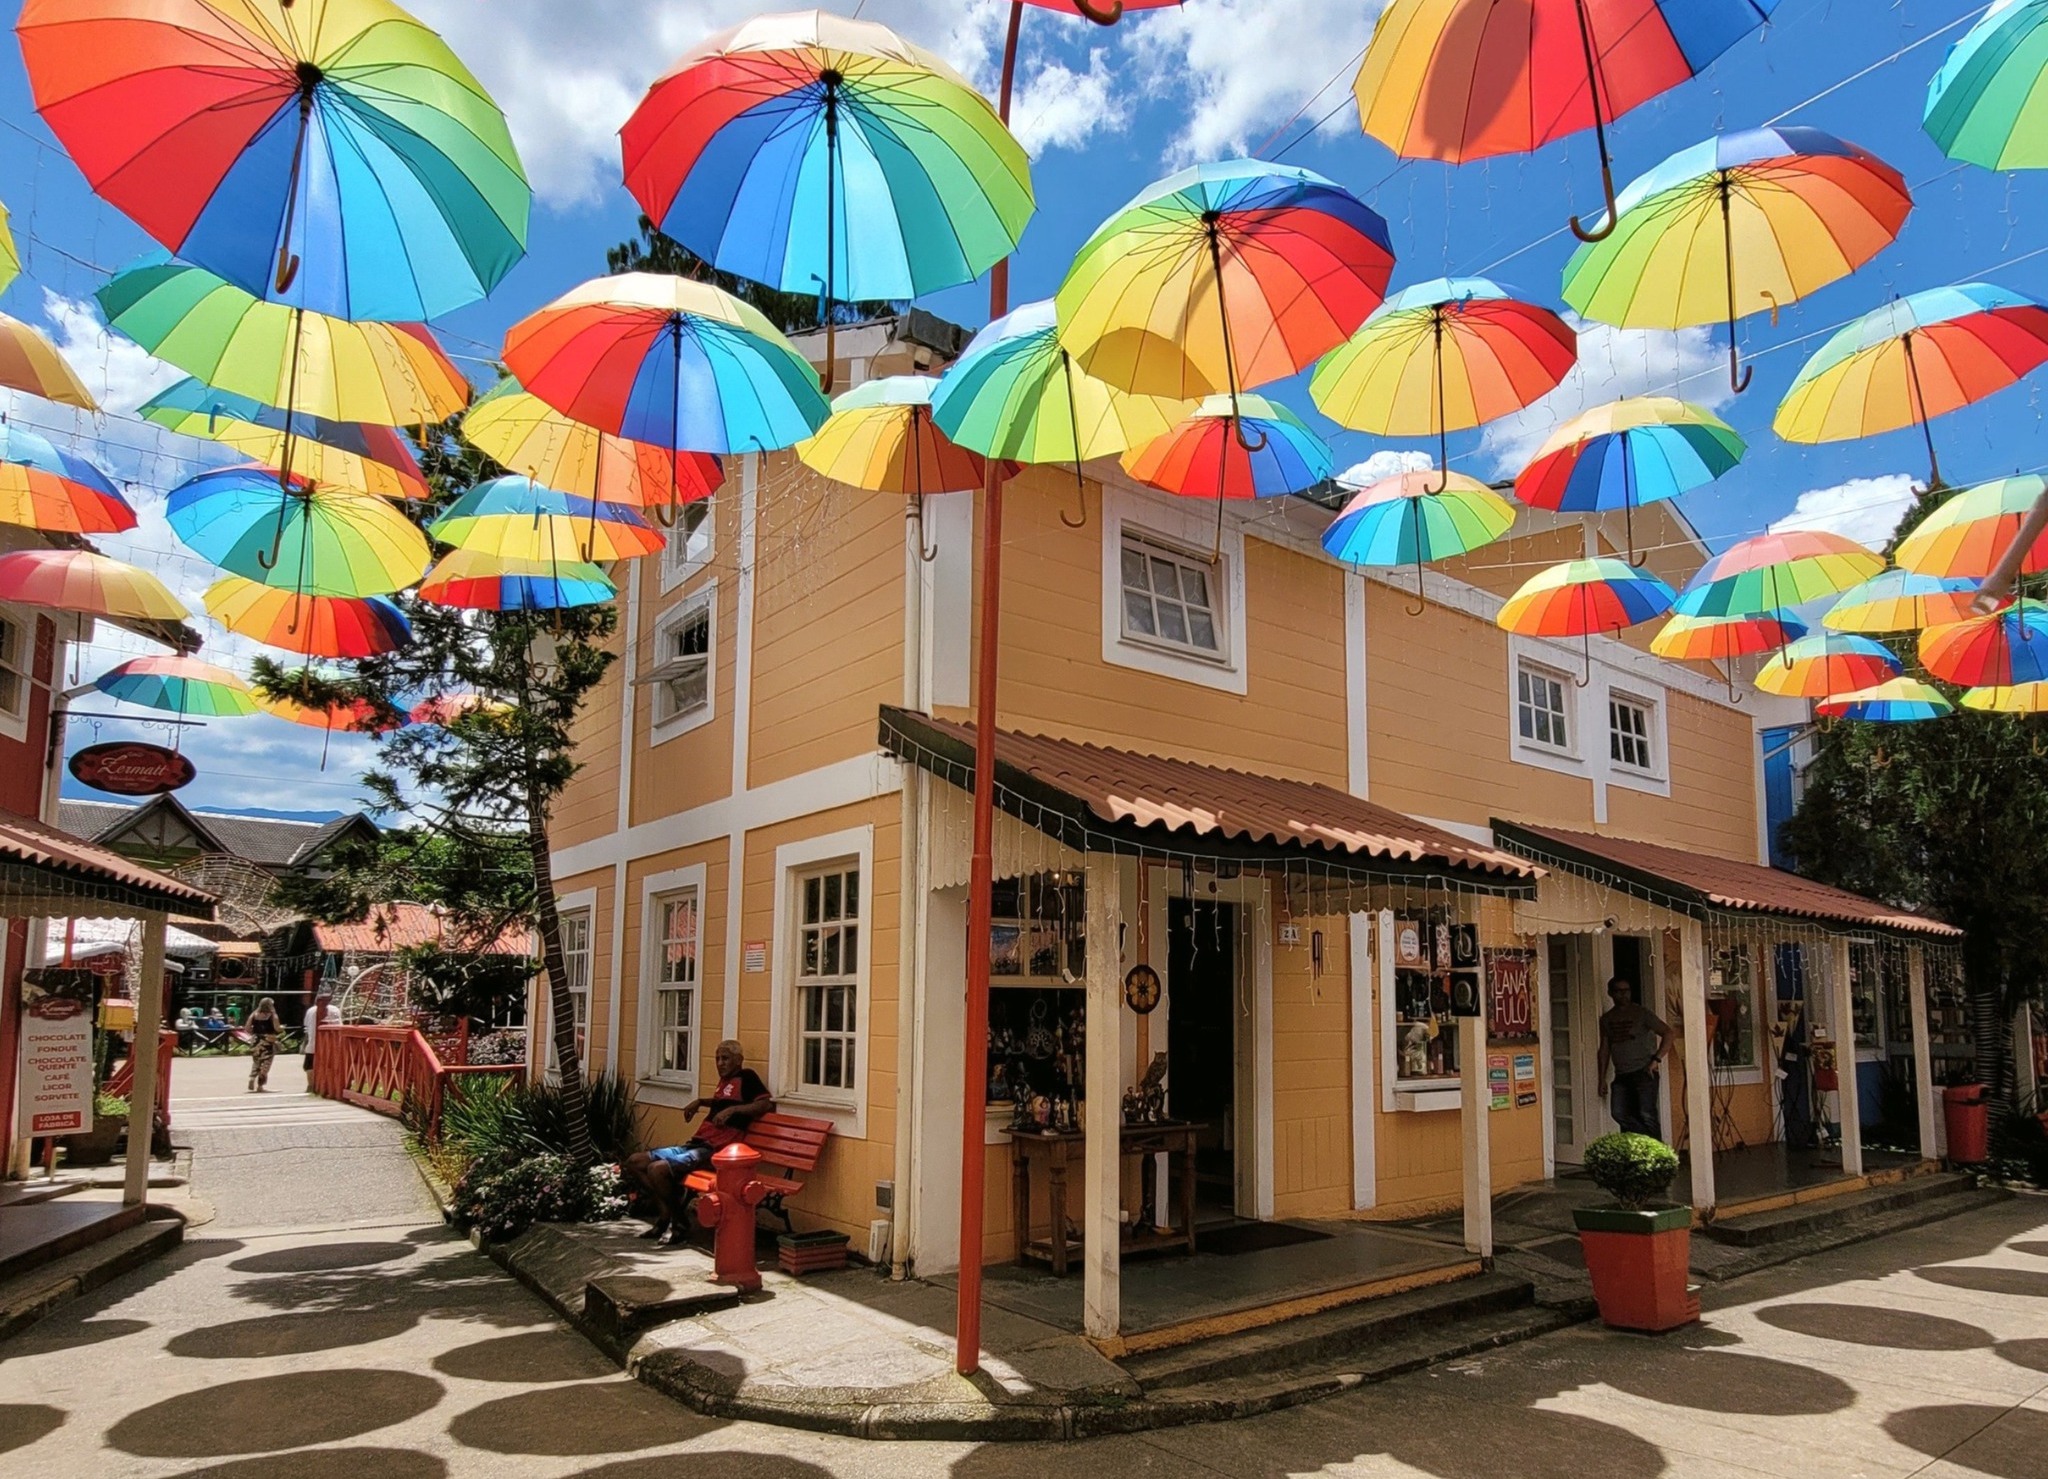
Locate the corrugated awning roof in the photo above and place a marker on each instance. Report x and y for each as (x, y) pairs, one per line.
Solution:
(400, 926)
(41, 863)
(1709, 882)
(1180, 804)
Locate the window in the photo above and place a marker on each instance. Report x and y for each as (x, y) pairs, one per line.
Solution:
(681, 675)
(1539, 708)
(689, 544)
(674, 977)
(1169, 599)
(1628, 733)
(1731, 1009)
(14, 667)
(827, 976)
(575, 930)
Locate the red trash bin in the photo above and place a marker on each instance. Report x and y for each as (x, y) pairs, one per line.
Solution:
(1969, 1124)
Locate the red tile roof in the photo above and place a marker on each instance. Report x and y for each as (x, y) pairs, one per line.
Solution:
(54, 860)
(1720, 883)
(393, 927)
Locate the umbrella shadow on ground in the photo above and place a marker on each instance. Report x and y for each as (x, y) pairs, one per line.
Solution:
(2037, 1248)
(23, 1423)
(1899, 1330)
(533, 1356)
(2005, 1443)
(38, 1341)
(270, 1336)
(267, 1413)
(329, 1463)
(718, 1463)
(616, 1416)
(460, 1284)
(2032, 1354)
(2022, 1282)
(310, 1258)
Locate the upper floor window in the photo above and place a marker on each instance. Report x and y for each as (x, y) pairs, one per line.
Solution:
(1170, 598)
(1540, 708)
(1629, 733)
(828, 929)
(14, 666)
(689, 544)
(673, 983)
(681, 675)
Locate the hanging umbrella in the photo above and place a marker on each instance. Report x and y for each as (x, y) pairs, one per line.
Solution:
(478, 582)
(1916, 358)
(348, 716)
(444, 709)
(89, 583)
(332, 155)
(1734, 226)
(2015, 698)
(302, 537)
(344, 454)
(516, 518)
(1988, 104)
(1894, 701)
(1443, 356)
(1719, 638)
(1900, 601)
(1222, 278)
(1580, 597)
(1628, 453)
(1964, 538)
(819, 154)
(525, 435)
(1772, 571)
(180, 685)
(1415, 517)
(10, 259)
(30, 362)
(44, 487)
(1458, 80)
(1250, 448)
(317, 626)
(1102, 12)
(1995, 651)
(1825, 663)
(882, 436)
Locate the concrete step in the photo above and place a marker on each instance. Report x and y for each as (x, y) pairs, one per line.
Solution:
(1718, 1263)
(27, 1297)
(1784, 1224)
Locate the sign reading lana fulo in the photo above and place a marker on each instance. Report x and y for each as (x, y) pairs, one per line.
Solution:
(56, 1066)
(131, 768)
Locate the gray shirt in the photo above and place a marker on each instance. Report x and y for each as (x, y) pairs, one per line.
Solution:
(1631, 1034)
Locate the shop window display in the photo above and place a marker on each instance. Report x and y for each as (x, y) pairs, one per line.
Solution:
(1731, 1008)
(1037, 1015)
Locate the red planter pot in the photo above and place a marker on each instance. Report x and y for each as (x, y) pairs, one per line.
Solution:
(1968, 1120)
(1641, 1266)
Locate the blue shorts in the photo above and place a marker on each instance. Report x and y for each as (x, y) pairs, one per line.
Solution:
(684, 1157)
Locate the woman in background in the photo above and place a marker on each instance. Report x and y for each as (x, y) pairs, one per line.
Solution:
(263, 1027)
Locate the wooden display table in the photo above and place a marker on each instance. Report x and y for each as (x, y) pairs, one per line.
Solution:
(1059, 1149)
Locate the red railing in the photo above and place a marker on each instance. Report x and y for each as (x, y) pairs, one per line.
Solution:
(380, 1068)
(122, 1079)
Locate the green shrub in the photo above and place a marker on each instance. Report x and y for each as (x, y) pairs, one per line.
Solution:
(107, 1106)
(483, 1115)
(1631, 1168)
(504, 1193)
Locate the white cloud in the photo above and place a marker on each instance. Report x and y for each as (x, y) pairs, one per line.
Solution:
(1866, 510)
(1059, 108)
(1383, 465)
(119, 372)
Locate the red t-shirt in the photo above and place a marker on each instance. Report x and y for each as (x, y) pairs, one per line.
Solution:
(744, 1087)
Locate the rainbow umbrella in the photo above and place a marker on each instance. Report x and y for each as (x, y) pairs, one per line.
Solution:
(1471, 79)
(30, 362)
(1443, 356)
(1773, 571)
(1900, 601)
(1251, 447)
(299, 537)
(1627, 453)
(344, 454)
(1734, 226)
(524, 434)
(1964, 538)
(1719, 638)
(349, 716)
(1416, 517)
(1825, 663)
(1995, 651)
(1222, 278)
(181, 685)
(1104, 13)
(476, 582)
(317, 626)
(333, 155)
(443, 709)
(44, 487)
(1988, 104)
(10, 258)
(516, 518)
(1916, 358)
(2015, 698)
(1894, 701)
(811, 152)
(1577, 598)
(89, 583)
(881, 435)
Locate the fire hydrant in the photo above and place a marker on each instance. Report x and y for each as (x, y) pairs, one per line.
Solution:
(729, 1212)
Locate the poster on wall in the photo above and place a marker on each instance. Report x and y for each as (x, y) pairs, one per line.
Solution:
(1510, 996)
(1525, 1080)
(56, 1066)
(1499, 1094)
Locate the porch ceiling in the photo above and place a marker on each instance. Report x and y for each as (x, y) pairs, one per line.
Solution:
(46, 872)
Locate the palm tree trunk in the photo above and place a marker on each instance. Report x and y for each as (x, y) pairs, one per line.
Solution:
(561, 1005)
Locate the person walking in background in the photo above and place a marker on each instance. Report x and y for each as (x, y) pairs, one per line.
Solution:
(322, 1013)
(1633, 1041)
(264, 1028)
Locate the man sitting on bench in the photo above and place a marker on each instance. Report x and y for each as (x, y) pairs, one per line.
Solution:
(739, 1100)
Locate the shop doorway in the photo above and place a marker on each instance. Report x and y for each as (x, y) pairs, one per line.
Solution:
(1201, 1042)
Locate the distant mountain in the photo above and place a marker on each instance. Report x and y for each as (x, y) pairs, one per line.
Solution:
(269, 814)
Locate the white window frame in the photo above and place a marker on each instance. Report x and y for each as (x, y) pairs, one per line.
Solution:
(1535, 751)
(583, 903)
(21, 661)
(1656, 777)
(1177, 528)
(659, 1085)
(659, 730)
(846, 1109)
(842, 980)
(677, 564)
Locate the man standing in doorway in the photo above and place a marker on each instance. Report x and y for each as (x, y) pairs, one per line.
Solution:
(1633, 1041)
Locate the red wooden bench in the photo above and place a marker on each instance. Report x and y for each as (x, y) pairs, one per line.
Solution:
(789, 1146)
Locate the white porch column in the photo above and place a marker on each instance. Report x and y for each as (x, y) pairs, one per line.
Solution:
(1699, 1065)
(1923, 1062)
(149, 1017)
(1102, 1172)
(1842, 1007)
(1477, 1136)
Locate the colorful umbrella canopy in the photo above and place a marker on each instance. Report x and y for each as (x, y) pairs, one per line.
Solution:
(82, 581)
(1250, 448)
(1900, 601)
(479, 582)
(1102, 12)
(2016, 698)
(1772, 571)
(1628, 453)
(333, 155)
(1443, 356)
(10, 258)
(1916, 358)
(349, 716)
(342, 454)
(1734, 226)
(305, 538)
(390, 374)
(30, 362)
(1416, 517)
(1964, 538)
(1718, 638)
(1579, 597)
(44, 487)
(1470, 79)
(1825, 663)
(524, 434)
(317, 626)
(445, 708)
(182, 685)
(1894, 701)
(516, 518)
(1988, 104)
(1222, 278)
(881, 435)
(667, 360)
(1995, 651)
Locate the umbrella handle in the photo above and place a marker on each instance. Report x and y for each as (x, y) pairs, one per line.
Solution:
(1599, 130)
(1607, 225)
(665, 514)
(1999, 583)
(1245, 441)
(1739, 374)
(915, 514)
(1109, 15)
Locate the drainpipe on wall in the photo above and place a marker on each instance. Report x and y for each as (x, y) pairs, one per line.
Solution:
(910, 908)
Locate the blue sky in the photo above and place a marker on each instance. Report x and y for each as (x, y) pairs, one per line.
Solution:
(1106, 112)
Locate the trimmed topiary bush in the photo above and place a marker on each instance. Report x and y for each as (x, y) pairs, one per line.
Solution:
(1632, 1169)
